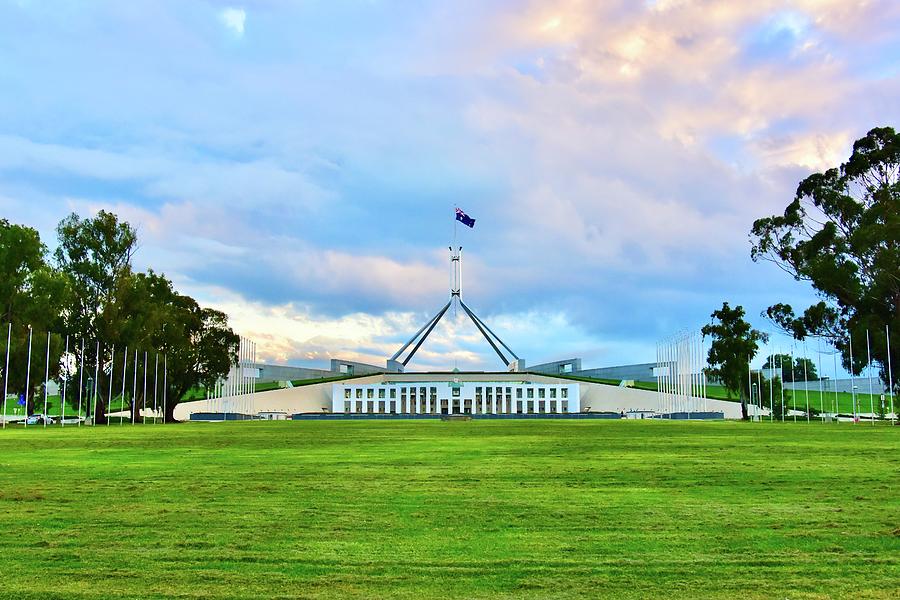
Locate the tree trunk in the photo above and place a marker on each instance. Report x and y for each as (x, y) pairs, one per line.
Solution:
(745, 415)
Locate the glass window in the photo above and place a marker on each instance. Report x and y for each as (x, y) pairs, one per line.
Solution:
(540, 392)
(358, 393)
(553, 392)
(553, 406)
(564, 393)
(381, 393)
(347, 406)
(565, 406)
(359, 406)
(518, 392)
(508, 391)
(531, 392)
(393, 392)
(370, 393)
(456, 392)
(346, 393)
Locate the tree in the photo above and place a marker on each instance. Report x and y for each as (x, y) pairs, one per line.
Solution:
(804, 369)
(734, 344)
(96, 295)
(841, 233)
(96, 254)
(32, 297)
(195, 343)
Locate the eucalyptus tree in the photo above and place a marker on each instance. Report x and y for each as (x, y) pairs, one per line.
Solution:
(841, 234)
(734, 344)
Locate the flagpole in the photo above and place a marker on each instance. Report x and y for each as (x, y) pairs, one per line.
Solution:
(112, 370)
(887, 335)
(80, 380)
(781, 360)
(821, 391)
(124, 380)
(806, 377)
(155, 386)
(834, 367)
(165, 383)
(869, 369)
(28, 375)
(144, 394)
(46, 378)
(62, 410)
(134, 390)
(6, 372)
(96, 385)
(852, 382)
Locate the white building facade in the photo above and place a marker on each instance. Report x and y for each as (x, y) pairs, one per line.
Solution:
(455, 397)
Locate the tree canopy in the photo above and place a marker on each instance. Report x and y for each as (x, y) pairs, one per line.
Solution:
(800, 369)
(841, 233)
(734, 344)
(91, 292)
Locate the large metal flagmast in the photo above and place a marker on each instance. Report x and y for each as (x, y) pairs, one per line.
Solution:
(397, 365)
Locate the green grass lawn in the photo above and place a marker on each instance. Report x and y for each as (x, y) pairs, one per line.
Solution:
(413, 509)
(821, 402)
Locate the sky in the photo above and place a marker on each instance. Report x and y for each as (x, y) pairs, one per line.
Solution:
(297, 164)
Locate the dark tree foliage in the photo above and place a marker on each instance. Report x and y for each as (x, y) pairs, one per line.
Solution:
(96, 255)
(841, 233)
(804, 369)
(32, 299)
(93, 294)
(734, 344)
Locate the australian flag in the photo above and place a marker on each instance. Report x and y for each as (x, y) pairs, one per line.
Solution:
(464, 218)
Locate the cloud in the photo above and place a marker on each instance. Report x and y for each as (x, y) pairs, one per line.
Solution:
(234, 19)
(614, 153)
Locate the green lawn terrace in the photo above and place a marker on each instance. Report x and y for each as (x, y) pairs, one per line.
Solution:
(479, 509)
(796, 399)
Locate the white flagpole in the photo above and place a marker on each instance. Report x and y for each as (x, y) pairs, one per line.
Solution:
(80, 380)
(834, 366)
(821, 391)
(134, 408)
(869, 370)
(853, 382)
(165, 384)
(144, 394)
(749, 384)
(46, 378)
(759, 397)
(155, 387)
(28, 375)
(62, 410)
(781, 376)
(771, 385)
(124, 380)
(806, 377)
(96, 385)
(887, 335)
(112, 370)
(6, 372)
(793, 382)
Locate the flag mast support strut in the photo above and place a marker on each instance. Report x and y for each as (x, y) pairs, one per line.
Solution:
(397, 365)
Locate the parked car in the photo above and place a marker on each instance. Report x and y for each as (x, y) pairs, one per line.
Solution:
(39, 419)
